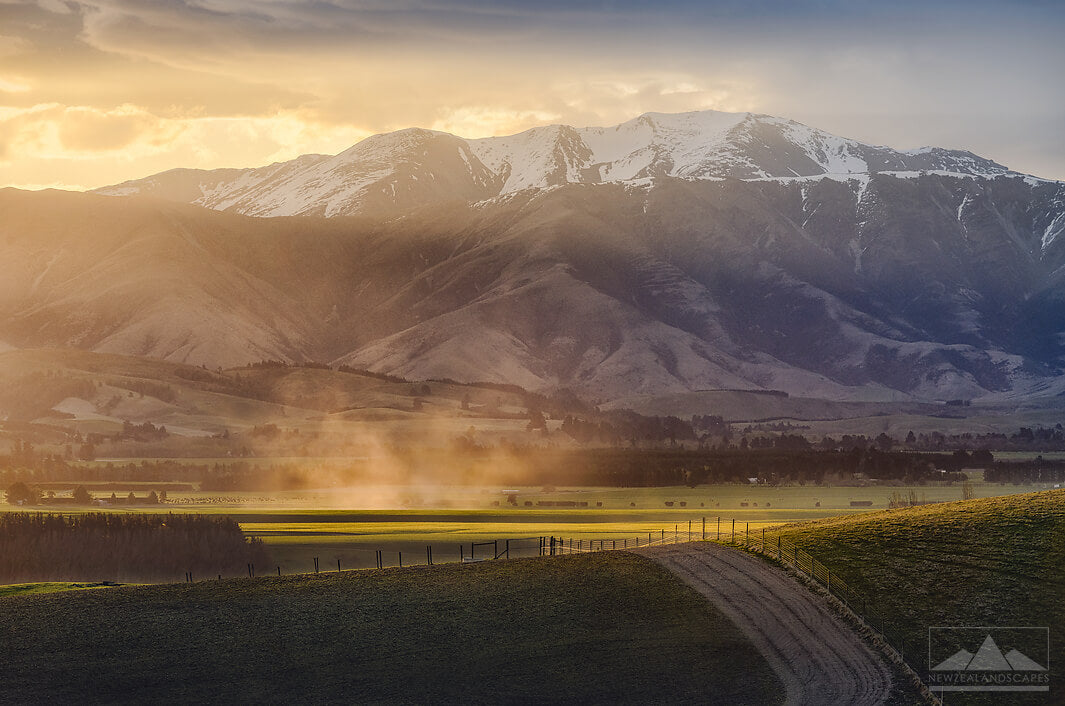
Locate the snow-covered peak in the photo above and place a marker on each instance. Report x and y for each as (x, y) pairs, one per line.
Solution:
(536, 158)
(389, 145)
(699, 145)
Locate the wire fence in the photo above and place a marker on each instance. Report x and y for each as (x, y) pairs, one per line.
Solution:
(413, 553)
(788, 553)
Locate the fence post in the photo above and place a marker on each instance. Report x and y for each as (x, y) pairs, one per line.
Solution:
(719, 528)
(732, 539)
(338, 566)
(779, 556)
(704, 528)
(747, 542)
(401, 560)
(689, 530)
(279, 572)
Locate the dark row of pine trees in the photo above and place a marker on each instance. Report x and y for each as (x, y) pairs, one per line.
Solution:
(97, 547)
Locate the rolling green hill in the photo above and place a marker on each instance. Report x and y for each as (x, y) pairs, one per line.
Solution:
(599, 628)
(987, 562)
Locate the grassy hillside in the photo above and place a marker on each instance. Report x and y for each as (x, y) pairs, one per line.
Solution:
(987, 562)
(595, 628)
(48, 394)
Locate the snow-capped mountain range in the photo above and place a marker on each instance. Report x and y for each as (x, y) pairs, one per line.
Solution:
(662, 256)
(415, 167)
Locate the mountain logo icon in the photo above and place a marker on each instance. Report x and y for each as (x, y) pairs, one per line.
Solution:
(989, 658)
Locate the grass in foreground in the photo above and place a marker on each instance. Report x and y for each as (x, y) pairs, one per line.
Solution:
(28, 589)
(994, 561)
(610, 627)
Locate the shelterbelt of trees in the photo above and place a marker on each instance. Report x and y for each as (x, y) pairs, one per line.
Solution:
(121, 547)
(468, 463)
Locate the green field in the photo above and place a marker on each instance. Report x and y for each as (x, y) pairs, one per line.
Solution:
(298, 526)
(986, 562)
(296, 536)
(602, 628)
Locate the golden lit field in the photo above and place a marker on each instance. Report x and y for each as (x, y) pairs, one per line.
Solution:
(29, 589)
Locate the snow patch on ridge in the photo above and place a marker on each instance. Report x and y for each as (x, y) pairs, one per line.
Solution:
(1053, 231)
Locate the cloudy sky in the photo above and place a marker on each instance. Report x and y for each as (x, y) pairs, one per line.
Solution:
(93, 92)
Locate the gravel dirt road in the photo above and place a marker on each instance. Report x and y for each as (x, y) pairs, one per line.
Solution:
(818, 657)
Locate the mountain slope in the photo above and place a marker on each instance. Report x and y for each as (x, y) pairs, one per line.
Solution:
(152, 278)
(607, 288)
(869, 287)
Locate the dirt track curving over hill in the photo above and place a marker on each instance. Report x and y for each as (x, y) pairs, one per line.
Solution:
(819, 659)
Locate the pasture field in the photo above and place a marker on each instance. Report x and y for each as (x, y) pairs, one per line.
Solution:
(341, 524)
(611, 627)
(294, 544)
(984, 562)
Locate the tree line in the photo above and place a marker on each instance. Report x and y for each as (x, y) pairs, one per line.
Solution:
(122, 547)
(693, 467)
(1037, 470)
